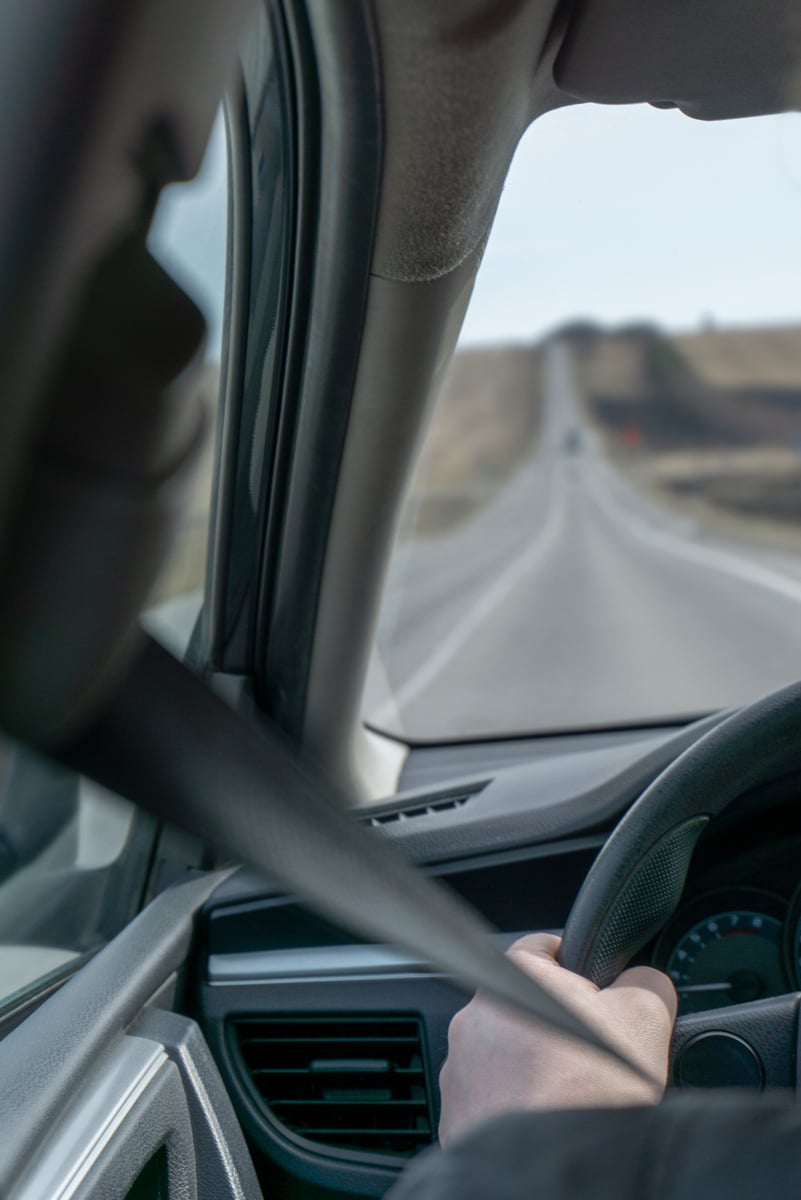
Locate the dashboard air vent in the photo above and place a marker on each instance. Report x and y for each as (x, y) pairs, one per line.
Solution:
(356, 1082)
(425, 806)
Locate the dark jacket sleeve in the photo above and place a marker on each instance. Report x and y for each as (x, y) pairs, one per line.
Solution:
(712, 1146)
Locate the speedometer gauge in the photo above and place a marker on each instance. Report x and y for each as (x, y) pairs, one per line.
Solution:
(725, 948)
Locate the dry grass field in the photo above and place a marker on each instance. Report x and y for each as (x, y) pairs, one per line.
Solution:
(611, 366)
(710, 421)
(742, 358)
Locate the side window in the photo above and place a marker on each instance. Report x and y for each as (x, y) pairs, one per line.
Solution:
(189, 239)
(73, 858)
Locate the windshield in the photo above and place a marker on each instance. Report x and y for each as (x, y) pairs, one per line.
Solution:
(603, 528)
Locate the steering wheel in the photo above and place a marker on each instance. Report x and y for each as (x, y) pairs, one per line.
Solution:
(637, 879)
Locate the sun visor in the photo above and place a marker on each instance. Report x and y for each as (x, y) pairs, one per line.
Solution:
(713, 60)
(463, 80)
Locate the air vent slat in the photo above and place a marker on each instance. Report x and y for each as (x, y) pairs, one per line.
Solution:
(312, 1041)
(365, 1133)
(355, 1082)
(425, 807)
(391, 1100)
(310, 1071)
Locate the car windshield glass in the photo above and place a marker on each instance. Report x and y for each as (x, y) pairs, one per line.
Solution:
(603, 527)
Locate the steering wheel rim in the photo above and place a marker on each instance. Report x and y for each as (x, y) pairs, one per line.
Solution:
(636, 881)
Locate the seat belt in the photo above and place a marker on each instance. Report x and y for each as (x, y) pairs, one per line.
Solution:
(171, 745)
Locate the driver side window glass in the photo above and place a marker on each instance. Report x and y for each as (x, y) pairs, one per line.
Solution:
(74, 859)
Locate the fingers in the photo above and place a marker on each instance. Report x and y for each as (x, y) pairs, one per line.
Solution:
(497, 1062)
(544, 947)
(539, 945)
(647, 979)
(538, 954)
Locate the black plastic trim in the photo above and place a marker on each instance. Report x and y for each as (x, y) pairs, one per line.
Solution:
(337, 1155)
(264, 223)
(769, 1027)
(432, 765)
(328, 335)
(515, 890)
(303, 150)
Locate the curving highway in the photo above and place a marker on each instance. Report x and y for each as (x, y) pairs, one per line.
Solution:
(574, 601)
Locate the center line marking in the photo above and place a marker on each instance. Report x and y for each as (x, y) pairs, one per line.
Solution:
(467, 625)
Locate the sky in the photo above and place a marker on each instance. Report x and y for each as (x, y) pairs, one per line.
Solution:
(188, 235)
(611, 214)
(638, 213)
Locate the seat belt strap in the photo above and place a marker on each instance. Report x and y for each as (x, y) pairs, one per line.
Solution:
(170, 744)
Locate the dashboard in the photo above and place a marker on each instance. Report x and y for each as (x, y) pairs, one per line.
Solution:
(330, 1048)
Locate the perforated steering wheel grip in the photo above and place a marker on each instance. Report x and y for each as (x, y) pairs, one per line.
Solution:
(637, 879)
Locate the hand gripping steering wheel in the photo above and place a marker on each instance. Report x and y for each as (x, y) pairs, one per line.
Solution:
(637, 880)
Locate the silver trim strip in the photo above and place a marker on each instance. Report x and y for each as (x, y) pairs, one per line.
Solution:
(97, 1111)
(322, 962)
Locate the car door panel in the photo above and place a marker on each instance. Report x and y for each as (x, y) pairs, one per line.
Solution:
(102, 1088)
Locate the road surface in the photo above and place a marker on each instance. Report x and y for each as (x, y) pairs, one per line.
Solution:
(575, 601)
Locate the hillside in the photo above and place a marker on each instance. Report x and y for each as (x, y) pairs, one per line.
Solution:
(709, 419)
(742, 358)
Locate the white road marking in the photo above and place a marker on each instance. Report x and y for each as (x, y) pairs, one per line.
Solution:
(710, 557)
(478, 612)
(563, 411)
(677, 543)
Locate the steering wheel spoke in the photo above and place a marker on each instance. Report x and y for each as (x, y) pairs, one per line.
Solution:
(751, 1045)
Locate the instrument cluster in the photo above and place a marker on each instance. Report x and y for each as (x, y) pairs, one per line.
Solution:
(732, 946)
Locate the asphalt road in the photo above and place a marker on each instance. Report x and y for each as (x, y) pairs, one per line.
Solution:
(575, 601)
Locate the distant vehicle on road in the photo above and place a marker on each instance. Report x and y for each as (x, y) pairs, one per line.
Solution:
(572, 443)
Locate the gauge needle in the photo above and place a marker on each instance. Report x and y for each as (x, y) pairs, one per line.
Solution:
(705, 987)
